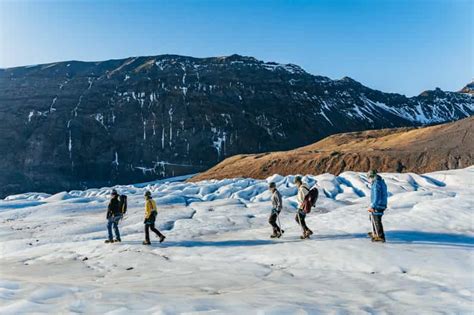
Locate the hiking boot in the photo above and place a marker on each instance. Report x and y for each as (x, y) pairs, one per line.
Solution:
(146, 243)
(162, 238)
(118, 240)
(378, 239)
(307, 234)
(108, 241)
(275, 235)
(370, 234)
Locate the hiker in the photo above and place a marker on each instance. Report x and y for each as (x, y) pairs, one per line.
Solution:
(113, 217)
(150, 217)
(303, 190)
(378, 204)
(277, 205)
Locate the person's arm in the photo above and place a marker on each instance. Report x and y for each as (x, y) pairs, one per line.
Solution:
(148, 209)
(299, 197)
(116, 207)
(376, 195)
(109, 209)
(385, 194)
(279, 202)
(302, 191)
(372, 198)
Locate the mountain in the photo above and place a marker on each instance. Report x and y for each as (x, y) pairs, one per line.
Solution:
(468, 89)
(441, 147)
(74, 124)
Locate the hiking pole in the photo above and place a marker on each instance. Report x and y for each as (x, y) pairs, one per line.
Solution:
(279, 223)
(374, 228)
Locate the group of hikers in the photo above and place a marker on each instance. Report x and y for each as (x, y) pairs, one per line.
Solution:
(306, 199)
(117, 208)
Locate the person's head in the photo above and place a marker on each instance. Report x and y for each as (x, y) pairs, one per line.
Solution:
(114, 194)
(147, 194)
(372, 175)
(272, 186)
(298, 181)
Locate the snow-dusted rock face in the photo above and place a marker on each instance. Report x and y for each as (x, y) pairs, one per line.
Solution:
(80, 124)
(218, 257)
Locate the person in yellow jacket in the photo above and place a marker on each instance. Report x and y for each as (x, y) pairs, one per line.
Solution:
(150, 217)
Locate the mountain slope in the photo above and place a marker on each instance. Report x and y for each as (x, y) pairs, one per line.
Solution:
(77, 124)
(446, 146)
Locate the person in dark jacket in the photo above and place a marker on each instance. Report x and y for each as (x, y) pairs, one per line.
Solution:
(113, 217)
(150, 217)
(378, 204)
(277, 205)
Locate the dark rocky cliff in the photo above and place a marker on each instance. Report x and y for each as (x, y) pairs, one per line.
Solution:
(77, 124)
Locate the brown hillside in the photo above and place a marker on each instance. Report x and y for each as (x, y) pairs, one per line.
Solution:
(421, 150)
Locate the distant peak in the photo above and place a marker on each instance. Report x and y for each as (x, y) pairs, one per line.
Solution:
(237, 57)
(468, 89)
(436, 91)
(348, 79)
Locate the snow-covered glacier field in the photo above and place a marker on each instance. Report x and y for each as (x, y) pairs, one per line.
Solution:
(218, 257)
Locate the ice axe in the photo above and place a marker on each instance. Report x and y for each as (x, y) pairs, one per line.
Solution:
(279, 223)
(374, 229)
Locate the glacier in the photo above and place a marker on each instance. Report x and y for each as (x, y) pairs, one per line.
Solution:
(218, 257)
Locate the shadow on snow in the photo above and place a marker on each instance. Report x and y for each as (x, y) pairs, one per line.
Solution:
(431, 238)
(393, 237)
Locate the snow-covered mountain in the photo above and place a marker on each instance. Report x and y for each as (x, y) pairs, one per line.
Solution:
(218, 257)
(80, 124)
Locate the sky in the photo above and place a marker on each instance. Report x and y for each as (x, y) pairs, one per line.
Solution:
(404, 46)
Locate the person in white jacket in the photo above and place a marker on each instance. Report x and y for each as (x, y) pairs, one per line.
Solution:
(303, 190)
(277, 205)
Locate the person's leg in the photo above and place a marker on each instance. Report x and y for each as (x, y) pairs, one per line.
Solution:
(297, 218)
(379, 226)
(147, 233)
(302, 220)
(116, 229)
(109, 229)
(152, 227)
(272, 220)
(307, 232)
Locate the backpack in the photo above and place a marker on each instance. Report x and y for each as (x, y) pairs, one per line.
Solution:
(310, 199)
(123, 204)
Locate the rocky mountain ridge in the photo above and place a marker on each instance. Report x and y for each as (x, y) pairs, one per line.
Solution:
(74, 124)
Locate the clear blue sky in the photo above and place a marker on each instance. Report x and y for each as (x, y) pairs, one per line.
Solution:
(403, 46)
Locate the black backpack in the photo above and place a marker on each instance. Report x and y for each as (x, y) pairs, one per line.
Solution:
(310, 200)
(123, 204)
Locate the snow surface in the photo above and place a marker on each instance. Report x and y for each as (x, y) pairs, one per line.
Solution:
(218, 257)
